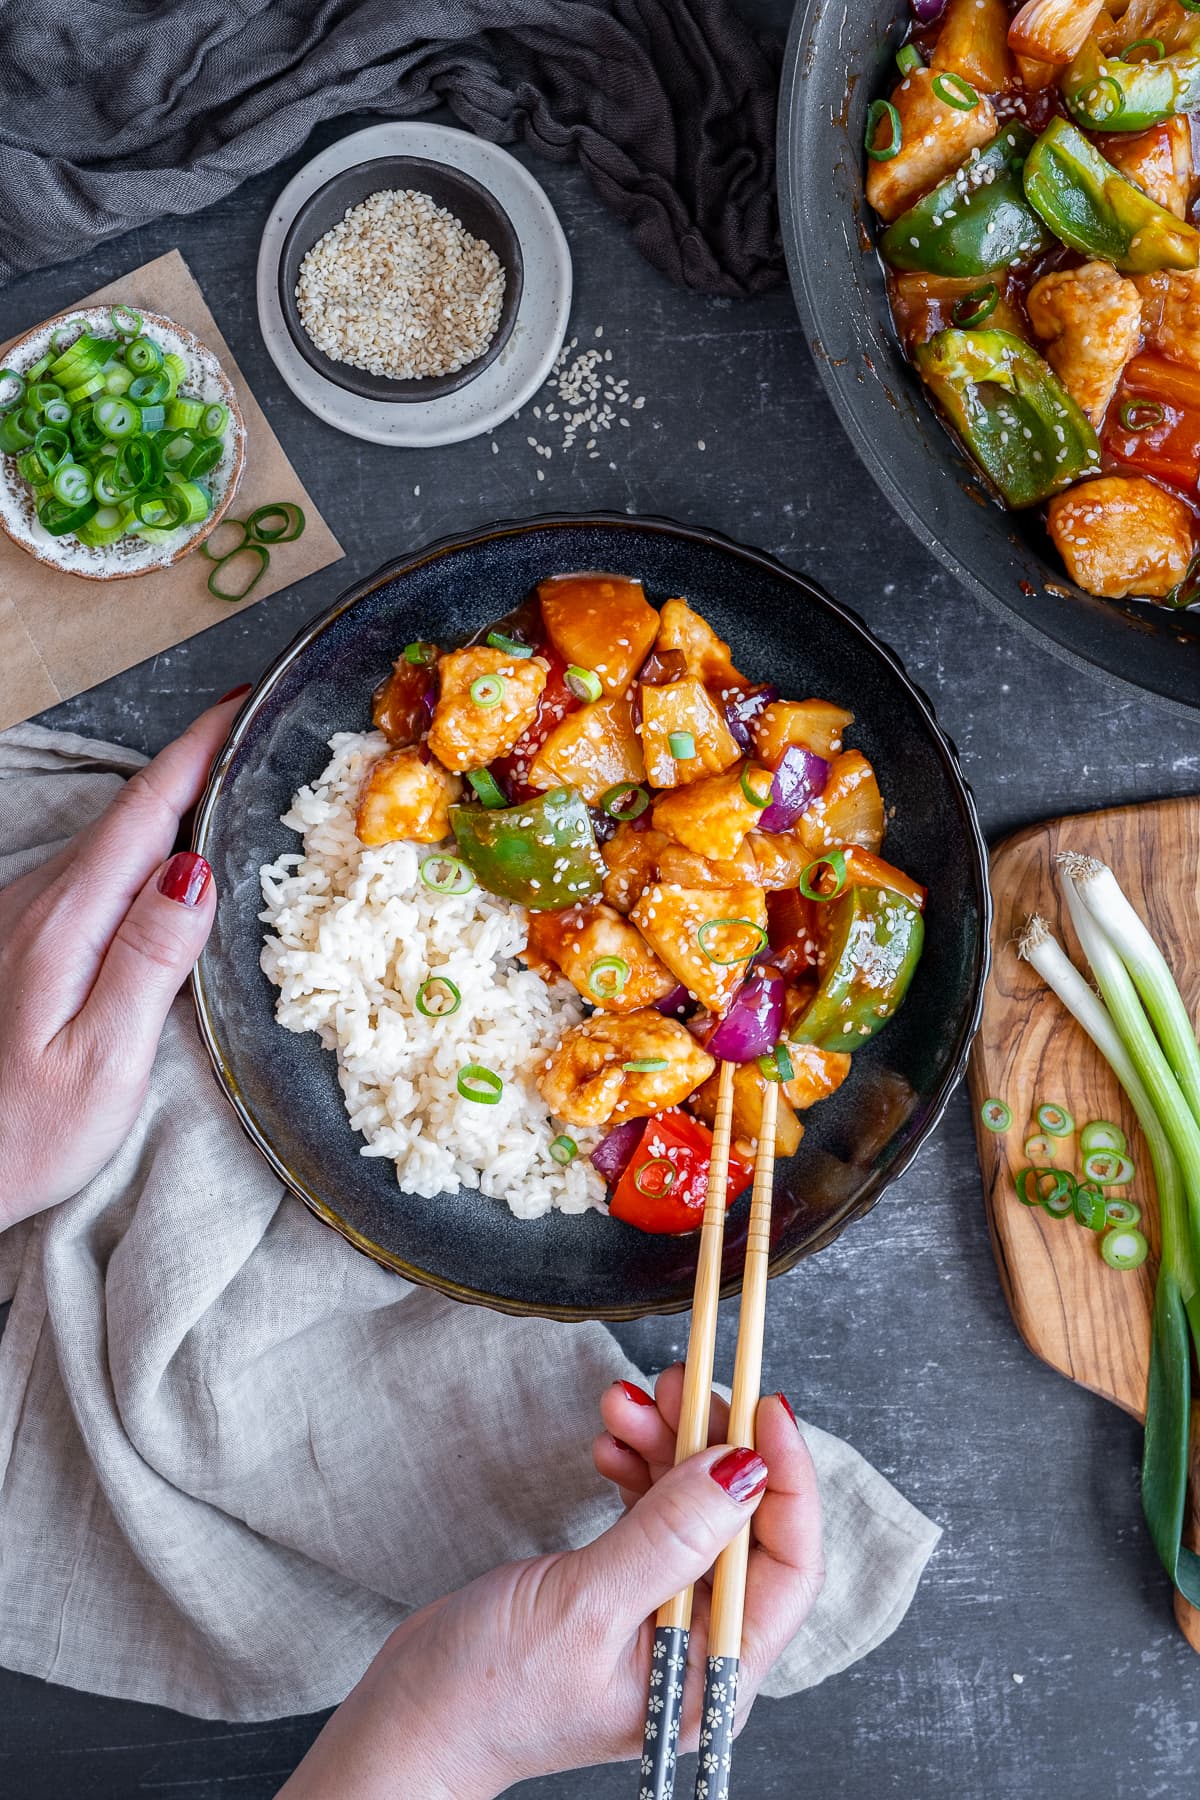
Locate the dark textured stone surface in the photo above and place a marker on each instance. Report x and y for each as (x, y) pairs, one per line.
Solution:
(897, 1337)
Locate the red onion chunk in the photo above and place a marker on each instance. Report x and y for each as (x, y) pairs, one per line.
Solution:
(613, 1154)
(799, 779)
(741, 706)
(677, 1004)
(751, 1026)
(926, 11)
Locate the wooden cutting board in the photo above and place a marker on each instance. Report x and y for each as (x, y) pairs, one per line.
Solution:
(1088, 1321)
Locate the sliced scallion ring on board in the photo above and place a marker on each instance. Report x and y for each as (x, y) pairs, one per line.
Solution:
(996, 1116)
(1054, 1119)
(1124, 1247)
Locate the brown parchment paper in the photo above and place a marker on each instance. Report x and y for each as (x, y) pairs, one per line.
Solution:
(61, 634)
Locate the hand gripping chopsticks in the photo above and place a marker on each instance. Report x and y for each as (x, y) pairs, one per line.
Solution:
(673, 1620)
(729, 1578)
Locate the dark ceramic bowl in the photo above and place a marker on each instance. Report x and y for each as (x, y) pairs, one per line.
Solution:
(284, 1086)
(839, 58)
(461, 194)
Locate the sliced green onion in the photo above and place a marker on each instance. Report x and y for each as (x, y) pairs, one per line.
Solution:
(1035, 1186)
(261, 524)
(57, 412)
(682, 745)
(153, 419)
(487, 690)
(215, 419)
(776, 1064)
(1184, 593)
(72, 483)
(446, 874)
(498, 641)
(625, 801)
(661, 1185)
(585, 684)
(84, 391)
(209, 546)
(1060, 1201)
(955, 92)
(39, 368)
(12, 388)
(176, 369)
(1086, 100)
(761, 801)
(124, 321)
(143, 356)
(1142, 415)
(1040, 1149)
(15, 431)
(646, 1065)
(58, 517)
(185, 415)
(117, 419)
(1124, 1248)
(196, 499)
(150, 390)
(1090, 1209)
(1122, 1212)
(481, 1084)
(997, 1117)
(53, 446)
(836, 860)
(1102, 1134)
(108, 488)
(608, 977)
(877, 112)
(908, 58)
(1055, 1119)
(221, 590)
(420, 655)
(487, 787)
(1109, 1168)
(973, 308)
(704, 931)
(106, 525)
(564, 1149)
(1149, 43)
(432, 995)
(117, 380)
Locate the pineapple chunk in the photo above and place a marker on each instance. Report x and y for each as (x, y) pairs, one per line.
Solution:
(593, 750)
(973, 43)
(712, 816)
(850, 811)
(818, 1073)
(684, 926)
(683, 706)
(600, 622)
(404, 797)
(578, 939)
(815, 725)
(705, 655)
(749, 1086)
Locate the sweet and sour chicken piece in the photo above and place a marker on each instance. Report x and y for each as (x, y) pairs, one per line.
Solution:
(935, 138)
(405, 797)
(705, 935)
(587, 1081)
(1089, 321)
(472, 728)
(631, 859)
(602, 954)
(1158, 160)
(1122, 535)
(1171, 313)
(713, 816)
(683, 709)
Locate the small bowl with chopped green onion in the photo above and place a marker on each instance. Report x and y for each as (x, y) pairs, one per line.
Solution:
(121, 442)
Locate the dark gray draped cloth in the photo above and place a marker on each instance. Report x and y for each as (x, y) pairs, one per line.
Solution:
(113, 114)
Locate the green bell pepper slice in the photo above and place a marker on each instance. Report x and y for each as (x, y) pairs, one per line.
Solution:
(1011, 411)
(1106, 94)
(872, 943)
(541, 853)
(1093, 209)
(976, 221)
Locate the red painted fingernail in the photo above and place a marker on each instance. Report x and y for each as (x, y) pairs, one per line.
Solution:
(741, 1473)
(185, 878)
(234, 693)
(622, 1445)
(787, 1407)
(633, 1392)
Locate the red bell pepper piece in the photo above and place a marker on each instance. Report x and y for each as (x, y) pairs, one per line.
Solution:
(557, 700)
(1167, 448)
(665, 1184)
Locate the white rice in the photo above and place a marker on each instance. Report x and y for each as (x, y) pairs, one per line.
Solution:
(353, 934)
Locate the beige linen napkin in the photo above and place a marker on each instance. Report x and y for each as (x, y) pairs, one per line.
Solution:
(234, 1453)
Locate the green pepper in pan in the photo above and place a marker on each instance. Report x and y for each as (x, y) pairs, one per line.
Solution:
(976, 221)
(541, 852)
(1109, 94)
(1094, 210)
(1011, 411)
(872, 941)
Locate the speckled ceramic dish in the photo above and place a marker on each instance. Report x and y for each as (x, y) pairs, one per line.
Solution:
(522, 365)
(284, 1087)
(459, 193)
(838, 59)
(130, 555)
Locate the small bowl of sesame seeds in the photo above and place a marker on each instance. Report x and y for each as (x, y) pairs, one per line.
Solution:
(400, 279)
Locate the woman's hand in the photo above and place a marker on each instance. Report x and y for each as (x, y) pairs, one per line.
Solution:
(545, 1665)
(93, 948)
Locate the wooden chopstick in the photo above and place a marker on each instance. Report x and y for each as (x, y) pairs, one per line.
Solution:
(729, 1577)
(672, 1624)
